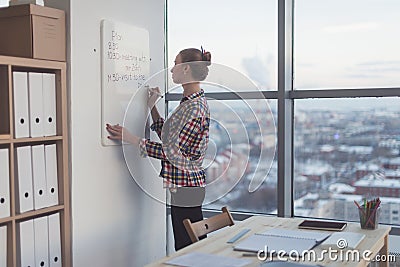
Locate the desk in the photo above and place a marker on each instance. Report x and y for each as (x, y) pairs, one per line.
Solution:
(374, 241)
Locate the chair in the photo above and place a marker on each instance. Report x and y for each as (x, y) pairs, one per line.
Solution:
(206, 226)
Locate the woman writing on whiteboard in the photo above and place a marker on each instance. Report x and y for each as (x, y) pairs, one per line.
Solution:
(184, 137)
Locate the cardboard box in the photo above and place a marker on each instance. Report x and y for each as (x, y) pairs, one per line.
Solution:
(33, 31)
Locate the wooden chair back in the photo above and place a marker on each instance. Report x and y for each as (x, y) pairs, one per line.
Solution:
(206, 226)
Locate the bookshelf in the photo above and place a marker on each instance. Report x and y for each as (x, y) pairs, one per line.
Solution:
(8, 141)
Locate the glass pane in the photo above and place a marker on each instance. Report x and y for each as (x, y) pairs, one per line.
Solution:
(239, 35)
(240, 161)
(346, 44)
(347, 150)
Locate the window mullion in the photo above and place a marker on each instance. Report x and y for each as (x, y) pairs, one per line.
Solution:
(285, 108)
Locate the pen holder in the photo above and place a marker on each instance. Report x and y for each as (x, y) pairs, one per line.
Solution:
(369, 217)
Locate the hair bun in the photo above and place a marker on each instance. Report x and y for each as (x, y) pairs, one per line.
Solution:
(207, 58)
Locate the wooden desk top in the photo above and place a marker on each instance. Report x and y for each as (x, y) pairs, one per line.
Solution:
(375, 240)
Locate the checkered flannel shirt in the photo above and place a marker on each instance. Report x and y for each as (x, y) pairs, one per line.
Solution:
(181, 152)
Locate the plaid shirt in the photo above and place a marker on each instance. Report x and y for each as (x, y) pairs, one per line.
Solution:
(184, 138)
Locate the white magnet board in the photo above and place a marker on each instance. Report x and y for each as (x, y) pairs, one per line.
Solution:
(125, 66)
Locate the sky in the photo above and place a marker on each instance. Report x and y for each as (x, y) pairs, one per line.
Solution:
(337, 43)
(229, 30)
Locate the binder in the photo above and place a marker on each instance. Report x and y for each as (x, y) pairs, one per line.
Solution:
(49, 104)
(24, 179)
(41, 236)
(3, 246)
(26, 244)
(40, 199)
(21, 107)
(36, 104)
(54, 240)
(51, 174)
(4, 183)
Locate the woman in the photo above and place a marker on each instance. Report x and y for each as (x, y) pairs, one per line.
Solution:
(184, 138)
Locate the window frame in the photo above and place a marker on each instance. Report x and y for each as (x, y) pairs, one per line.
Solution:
(286, 96)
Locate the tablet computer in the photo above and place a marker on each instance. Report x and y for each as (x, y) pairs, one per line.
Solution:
(322, 225)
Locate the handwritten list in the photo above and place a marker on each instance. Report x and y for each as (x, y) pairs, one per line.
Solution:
(125, 64)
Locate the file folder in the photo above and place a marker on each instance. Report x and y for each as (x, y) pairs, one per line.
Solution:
(36, 104)
(4, 183)
(24, 179)
(3, 246)
(51, 174)
(54, 240)
(26, 244)
(49, 104)
(41, 235)
(40, 199)
(21, 104)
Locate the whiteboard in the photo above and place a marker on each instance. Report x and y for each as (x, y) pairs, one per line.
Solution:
(125, 66)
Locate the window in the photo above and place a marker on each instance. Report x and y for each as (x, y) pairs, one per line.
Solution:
(342, 145)
(346, 44)
(340, 148)
(240, 160)
(340, 116)
(240, 163)
(240, 35)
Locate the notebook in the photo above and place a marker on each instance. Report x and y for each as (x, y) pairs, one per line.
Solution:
(285, 264)
(275, 240)
(343, 240)
(322, 225)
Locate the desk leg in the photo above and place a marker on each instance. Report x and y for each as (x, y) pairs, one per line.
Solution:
(385, 251)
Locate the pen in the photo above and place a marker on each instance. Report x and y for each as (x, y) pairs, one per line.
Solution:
(239, 235)
(153, 90)
(249, 254)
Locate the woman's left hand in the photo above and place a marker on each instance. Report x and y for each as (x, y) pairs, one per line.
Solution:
(122, 134)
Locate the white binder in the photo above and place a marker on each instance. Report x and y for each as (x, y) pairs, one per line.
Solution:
(4, 184)
(54, 240)
(24, 179)
(41, 241)
(21, 106)
(3, 246)
(40, 199)
(26, 244)
(51, 174)
(36, 104)
(49, 104)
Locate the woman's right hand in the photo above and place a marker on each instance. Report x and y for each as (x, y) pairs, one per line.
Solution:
(153, 95)
(120, 133)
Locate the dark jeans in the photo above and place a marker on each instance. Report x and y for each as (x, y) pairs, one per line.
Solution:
(185, 204)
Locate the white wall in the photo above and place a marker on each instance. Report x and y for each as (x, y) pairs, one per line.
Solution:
(114, 223)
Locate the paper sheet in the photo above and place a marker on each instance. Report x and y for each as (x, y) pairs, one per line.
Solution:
(196, 259)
